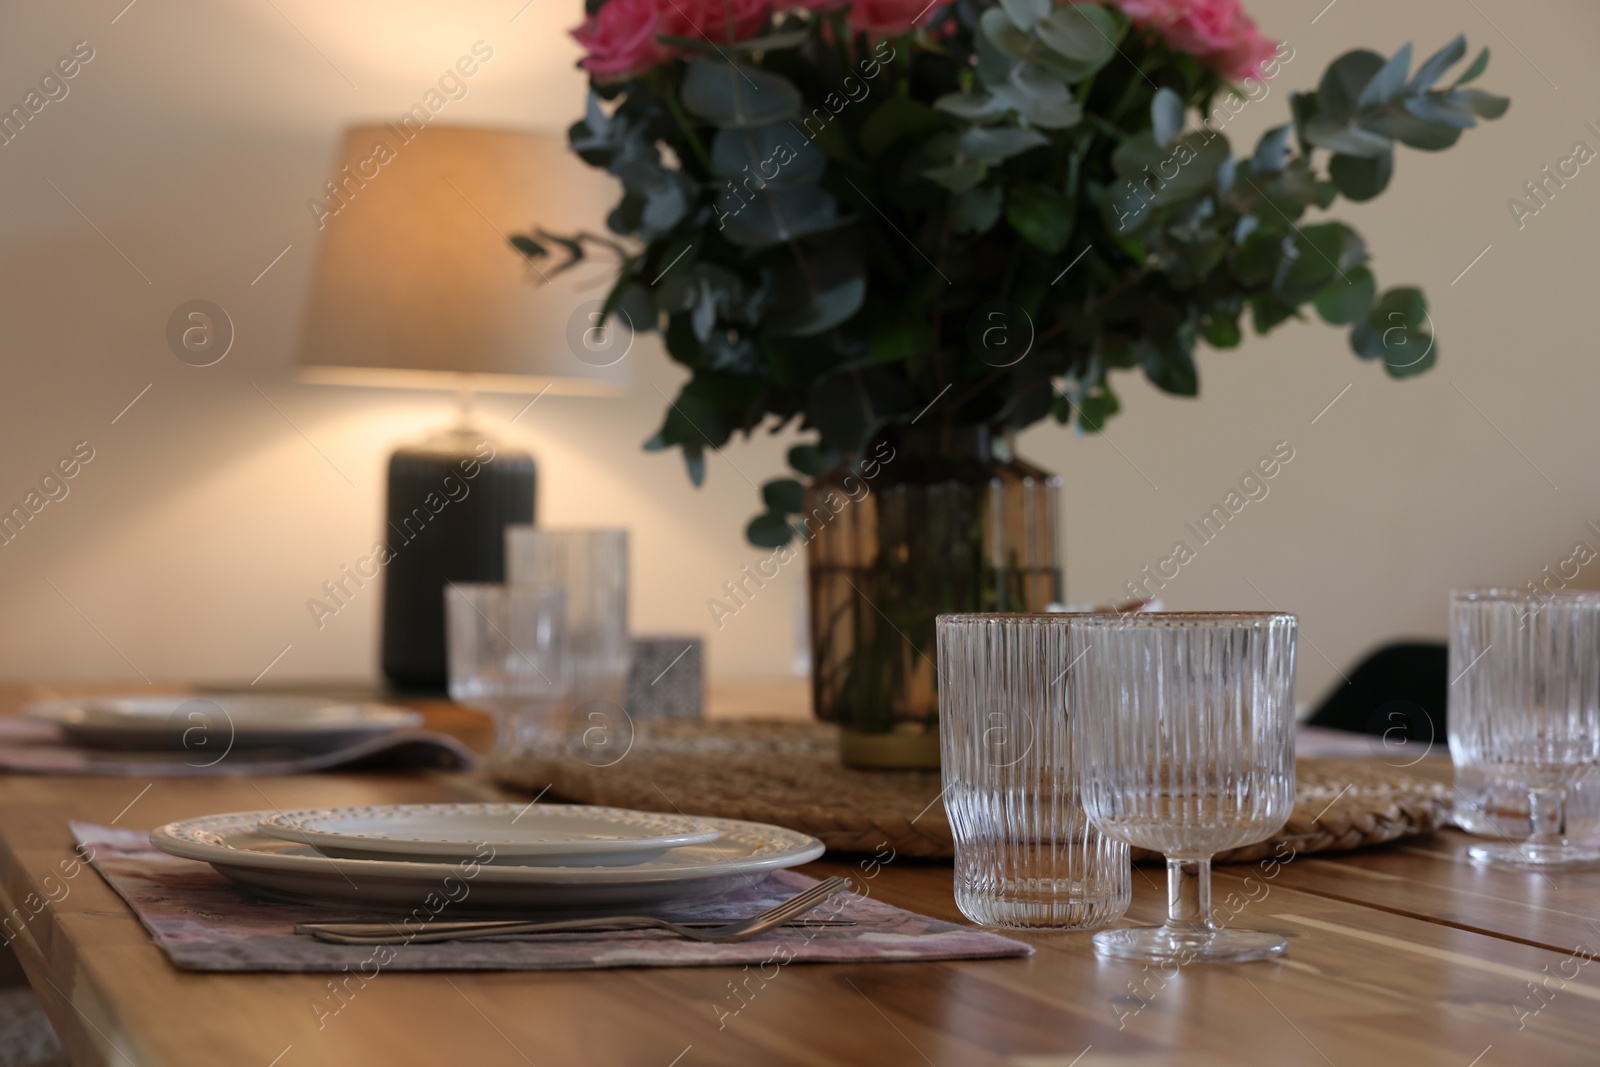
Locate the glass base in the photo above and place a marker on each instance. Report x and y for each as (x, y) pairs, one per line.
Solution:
(1167, 945)
(1527, 856)
(1045, 904)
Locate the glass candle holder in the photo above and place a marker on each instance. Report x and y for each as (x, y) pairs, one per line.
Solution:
(1186, 721)
(1524, 710)
(1026, 855)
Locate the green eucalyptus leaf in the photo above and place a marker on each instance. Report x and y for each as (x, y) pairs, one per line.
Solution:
(768, 530)
(812, 460)
(1387, 83)
(775, 154)
(775, 215)
(1171, 369)
(896, 118)
(996, 144)
(974, 107)
(1479, 65)
(806, 301)
(978, 209)
(1317, 251)
(1188, 169)
(783, 495)
(1361, 177)
(1025, 14)
(1222, 330)
(1041, 216)
(528, 246)
(694, 460)
(1366, 341)
(959, 175)
(1348, 299)
(1271, 150)
(1438, 108)
(1344, 81)
(1084, 33)
(1095, 405)
(727, 94)
(1437, 64)
(1040, 97)
(1412, 131)
(1256, 262)
(1166, 116)
(1419, 353)
(1350, 140)
(1482, 104)
(1268, 311)
(1405, 306)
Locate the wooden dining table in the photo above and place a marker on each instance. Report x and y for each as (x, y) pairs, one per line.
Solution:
(1407, 954)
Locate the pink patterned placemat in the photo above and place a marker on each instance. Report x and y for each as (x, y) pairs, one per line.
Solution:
(204, 922)
(28, 746)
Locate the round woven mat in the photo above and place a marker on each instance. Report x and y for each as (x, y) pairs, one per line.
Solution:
(789, 774)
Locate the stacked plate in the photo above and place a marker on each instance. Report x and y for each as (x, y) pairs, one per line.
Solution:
(478, 858)
(218, 723)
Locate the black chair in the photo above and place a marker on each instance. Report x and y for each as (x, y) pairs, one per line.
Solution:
(1397, 692)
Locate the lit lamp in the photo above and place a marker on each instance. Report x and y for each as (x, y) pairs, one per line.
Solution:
(418, 286)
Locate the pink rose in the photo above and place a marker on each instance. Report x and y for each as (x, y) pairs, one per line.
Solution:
(715, 20)
(621, 37)
(1245, 57)
(1216, 31)
(889, 18)
(621, 40)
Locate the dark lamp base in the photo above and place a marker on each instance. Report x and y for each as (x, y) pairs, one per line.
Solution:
(450, 499)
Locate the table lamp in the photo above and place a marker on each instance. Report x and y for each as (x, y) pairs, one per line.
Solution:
(418, 286)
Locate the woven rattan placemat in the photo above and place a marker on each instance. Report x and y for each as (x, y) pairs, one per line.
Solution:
(789, 774)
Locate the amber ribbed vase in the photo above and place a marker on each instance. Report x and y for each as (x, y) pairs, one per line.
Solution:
(937, 520)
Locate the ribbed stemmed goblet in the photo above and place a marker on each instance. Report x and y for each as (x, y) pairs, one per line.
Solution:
(1186, 724)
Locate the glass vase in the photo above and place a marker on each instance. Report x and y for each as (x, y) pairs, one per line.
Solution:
(933, 520)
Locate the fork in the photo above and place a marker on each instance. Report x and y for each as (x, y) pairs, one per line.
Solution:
(353, 933)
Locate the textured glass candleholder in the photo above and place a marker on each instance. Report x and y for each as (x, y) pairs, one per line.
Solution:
(1026, 854)
(1525, 710)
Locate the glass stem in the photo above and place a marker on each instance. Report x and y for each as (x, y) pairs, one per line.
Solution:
(1547, 814)
(1189, 894)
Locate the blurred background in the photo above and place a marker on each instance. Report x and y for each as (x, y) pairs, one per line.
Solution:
(180, 163)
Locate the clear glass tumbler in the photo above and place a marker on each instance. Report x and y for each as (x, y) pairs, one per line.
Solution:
(1186, 721)
(591, 568)
(1525, 709)
(507, 654)
(1026, 855)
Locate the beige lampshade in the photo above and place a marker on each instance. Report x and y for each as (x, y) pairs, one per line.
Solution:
(417, 283)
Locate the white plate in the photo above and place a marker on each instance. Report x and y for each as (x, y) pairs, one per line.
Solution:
(743, 854)
(547, 834)
(215, 723)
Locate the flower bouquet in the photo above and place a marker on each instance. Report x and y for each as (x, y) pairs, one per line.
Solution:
(878, 217)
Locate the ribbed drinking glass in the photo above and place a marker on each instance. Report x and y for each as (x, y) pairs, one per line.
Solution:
(1525, 709)
(1186, 721)
(507, 654)
(591, 568)
(1025, 853)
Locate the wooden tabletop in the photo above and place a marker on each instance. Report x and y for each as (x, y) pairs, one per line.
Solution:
(1405, 955)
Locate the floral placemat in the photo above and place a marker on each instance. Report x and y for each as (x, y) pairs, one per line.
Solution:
(204, 922)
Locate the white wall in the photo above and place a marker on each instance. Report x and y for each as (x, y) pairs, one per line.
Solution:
(188, 546)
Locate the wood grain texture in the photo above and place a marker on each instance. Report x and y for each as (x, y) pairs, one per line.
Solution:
(1404, 956)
